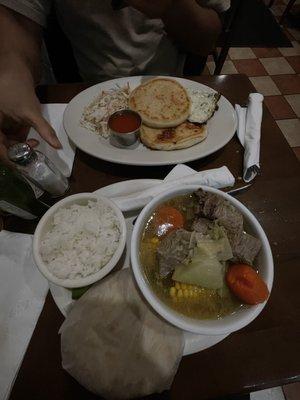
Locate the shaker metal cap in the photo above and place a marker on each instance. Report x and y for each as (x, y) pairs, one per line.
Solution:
(19, 152)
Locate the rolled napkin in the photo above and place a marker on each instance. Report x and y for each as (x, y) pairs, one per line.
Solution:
(249, 132)
(63, 158)
(22, 294)
(115, 345)
(180, 175)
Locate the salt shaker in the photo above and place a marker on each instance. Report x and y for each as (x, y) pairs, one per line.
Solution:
(36, 167)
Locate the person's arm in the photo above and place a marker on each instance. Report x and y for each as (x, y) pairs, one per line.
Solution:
(20, 47)
(193, 27)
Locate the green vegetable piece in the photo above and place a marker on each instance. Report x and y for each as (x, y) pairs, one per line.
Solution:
(217, 243)
(207, 264)
(204, 270)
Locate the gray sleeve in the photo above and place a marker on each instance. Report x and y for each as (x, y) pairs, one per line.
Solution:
(36, 10)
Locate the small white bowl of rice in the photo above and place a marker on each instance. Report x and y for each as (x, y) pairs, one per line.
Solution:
(79, 240)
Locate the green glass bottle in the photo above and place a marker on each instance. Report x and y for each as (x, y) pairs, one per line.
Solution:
(17, 196)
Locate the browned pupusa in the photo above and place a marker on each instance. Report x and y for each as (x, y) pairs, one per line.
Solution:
(182, 136)
(161, 102)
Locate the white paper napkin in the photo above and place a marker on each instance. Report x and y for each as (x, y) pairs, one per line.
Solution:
(249, 132)
(22, 295)
(62, 158)
(180, 175)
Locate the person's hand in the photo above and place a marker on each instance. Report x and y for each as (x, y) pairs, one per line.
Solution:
(20, 110)
(151, 8)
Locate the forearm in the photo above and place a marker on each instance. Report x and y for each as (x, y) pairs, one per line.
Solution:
(193, 27)
(20, 43)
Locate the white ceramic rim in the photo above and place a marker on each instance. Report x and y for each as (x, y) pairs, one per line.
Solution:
(88, 280)
(172, 316)
(125, 156)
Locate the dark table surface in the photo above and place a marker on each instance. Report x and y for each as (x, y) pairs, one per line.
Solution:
(267, 352)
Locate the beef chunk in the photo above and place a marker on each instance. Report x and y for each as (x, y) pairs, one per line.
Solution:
(213, 207)
(202, 225)
(172, 250)
(244, 246)
(246, 249)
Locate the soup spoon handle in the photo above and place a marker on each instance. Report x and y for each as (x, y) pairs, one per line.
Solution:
(232, 192)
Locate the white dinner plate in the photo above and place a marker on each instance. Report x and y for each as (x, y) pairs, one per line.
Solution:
(221, 128)
(63, 298)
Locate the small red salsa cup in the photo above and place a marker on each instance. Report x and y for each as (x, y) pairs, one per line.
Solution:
(124, 125)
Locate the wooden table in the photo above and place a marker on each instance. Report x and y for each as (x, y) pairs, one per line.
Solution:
(267, 352)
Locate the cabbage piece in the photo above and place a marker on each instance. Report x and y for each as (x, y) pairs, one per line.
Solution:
(216, 243)
(206, 266)
(204, 270)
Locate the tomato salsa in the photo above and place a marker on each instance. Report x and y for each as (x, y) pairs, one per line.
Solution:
(124, 121)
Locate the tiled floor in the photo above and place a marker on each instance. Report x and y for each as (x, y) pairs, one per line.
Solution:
(274, 72)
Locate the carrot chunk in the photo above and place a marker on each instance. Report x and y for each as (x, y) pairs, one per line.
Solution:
(246, 284)
(167, 219)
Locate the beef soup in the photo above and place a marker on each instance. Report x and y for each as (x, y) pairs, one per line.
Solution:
(189, 248)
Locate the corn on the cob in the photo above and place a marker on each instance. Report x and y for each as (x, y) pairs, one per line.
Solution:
(183, 291)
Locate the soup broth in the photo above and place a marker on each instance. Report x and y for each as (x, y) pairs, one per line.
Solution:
(190, 300)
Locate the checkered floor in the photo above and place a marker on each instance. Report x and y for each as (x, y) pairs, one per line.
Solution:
(275, 72)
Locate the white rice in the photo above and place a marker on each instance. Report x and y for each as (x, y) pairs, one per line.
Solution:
(81, 241)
